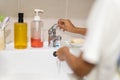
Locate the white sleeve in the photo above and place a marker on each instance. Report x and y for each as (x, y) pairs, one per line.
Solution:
(92, 47)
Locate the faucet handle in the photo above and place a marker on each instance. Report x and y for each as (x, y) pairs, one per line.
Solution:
(54, 27)
(52, 30)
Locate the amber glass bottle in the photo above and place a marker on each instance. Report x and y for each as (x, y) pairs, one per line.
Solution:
(20, 33)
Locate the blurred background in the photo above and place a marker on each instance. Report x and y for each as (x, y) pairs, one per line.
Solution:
(76, 10)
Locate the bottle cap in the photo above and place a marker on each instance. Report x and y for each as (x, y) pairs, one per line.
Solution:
(37, 11)
(20, 17)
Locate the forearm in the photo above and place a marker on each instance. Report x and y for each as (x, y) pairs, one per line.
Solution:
(79, 30)
(78, 65)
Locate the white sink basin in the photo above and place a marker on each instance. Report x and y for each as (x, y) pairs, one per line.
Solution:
(31, 64)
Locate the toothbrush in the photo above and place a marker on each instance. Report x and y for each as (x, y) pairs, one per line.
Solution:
(5, 22)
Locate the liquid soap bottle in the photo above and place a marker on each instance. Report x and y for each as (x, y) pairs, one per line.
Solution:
(20, 33)
(37, 30)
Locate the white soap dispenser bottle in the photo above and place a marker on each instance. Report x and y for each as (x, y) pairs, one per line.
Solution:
(37, 30)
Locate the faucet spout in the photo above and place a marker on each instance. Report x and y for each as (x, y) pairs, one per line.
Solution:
(52, 37)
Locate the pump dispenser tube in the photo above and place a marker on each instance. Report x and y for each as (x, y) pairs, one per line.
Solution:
(36, 30)
(20, 33)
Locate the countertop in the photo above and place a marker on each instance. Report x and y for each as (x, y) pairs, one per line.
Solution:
(32, 64)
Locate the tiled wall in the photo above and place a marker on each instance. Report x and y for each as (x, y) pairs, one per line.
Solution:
(76, 10)
(53, 8)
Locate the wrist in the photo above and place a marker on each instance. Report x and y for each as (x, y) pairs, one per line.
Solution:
(74, 29)
(67, 54)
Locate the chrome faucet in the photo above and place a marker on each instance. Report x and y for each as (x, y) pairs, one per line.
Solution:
(53, 39)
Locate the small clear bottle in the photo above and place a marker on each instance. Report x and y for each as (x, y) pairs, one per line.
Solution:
(20, 33)
(2, 39)
(37, 30)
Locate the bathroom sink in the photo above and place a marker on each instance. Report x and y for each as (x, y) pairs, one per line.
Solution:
(31, 64)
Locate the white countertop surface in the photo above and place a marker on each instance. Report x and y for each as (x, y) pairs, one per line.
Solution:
(32, 64)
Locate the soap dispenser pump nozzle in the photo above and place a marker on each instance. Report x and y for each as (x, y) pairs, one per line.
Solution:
(37, 11)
